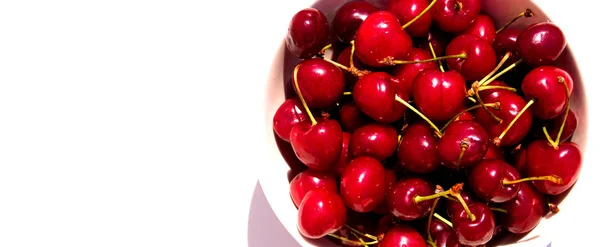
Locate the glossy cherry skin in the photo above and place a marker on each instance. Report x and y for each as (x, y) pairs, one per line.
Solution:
(506, 41)
(351, 118)
(525, 211)
(290, 113)
(349, 17)
(321, 212)
(390, 180)
(309, 180)
(406, 10)
(401, 199)
(375, 95)
(417, 150)
(321, 83)
(494, 152)
(376, 140)
(447, 239)
(439, 95)
(542, 84)
(317, 146)
(456, 134)
(486, 180)
(345, 156)
(480, 60)
(406, 73)
(402, 235)
(477, 232)
(455, 15)
(519, 161)
(544, 160)
(344, 59)
(568, 130)
(510, 105)
(541, 44)
(362, 185)
(381, 38)
(308, 33)
(438, 227)
(465, 116)
(453, 206)
(483, 27)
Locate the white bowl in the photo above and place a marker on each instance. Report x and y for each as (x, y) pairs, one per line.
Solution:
(274, 176)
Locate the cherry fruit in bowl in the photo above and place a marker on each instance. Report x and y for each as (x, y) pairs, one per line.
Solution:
(308, 33)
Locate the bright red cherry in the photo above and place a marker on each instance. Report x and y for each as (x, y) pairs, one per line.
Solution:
(545, 84)
(406, 73)
(322, 84)
(487, 181)
(541, 44)
(525, 211)
(463, 144)
(290, 113)
(349, 17)
(363, 184)
(321, 212)
(454, 207)
(494, 152)
(483, 27)
(439, 95)
(309, 180)
(455, 15)
(318, 146)
(351, 118)
(406, 10)
(375, 95)
(506, 41)
(417, 150)
(510, 106)
(401, 199)
(308, 33)
(545, 160)
(474, 232)
(376, 140)
(402, 235)
(390, 180)
(437, 227)
(480, 57)
(568, 130)
(381, 39)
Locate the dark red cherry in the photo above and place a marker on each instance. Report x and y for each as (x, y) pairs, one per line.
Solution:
(345, 155)
(525, 211)
(474, 232)
(317, 146)
(344, 59)
(506, 41)
(362, 184)
(321, 83)
(417, 150)
(439, 41)
(439, 95)
(569, 128)
(381, 39)
(349, 17)
(545, 160)
(462, 137)
(453, 206)
(447, 239)
(438, 227)
(494, 152)
(321, 212)
(519, 160)
(455, 15)
(376, 140)
(541, 44)
(480, 57)
(544, 85)
(510, 105)
(375, 95)
(309, 180)
(351, 118)
(467, 116)
(290, 113)
(406, 10)
(308, 33)
(402, 235)
(390, 180)
(401, 199)
(483, 27)
(487, 181)
(406, 73)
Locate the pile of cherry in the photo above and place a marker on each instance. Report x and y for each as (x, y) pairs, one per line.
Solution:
(433, 127)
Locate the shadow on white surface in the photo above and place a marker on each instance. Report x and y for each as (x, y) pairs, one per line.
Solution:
(264, 229)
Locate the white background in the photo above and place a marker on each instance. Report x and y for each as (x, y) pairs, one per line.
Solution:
(130, 123)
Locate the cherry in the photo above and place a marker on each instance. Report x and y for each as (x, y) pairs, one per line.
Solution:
(345, 156)
(480, 57)
(563, 161)
(511, 105)
(402, 235)
(351, 118)
(380, 39)
(463, 144)
(317, 145)
(447, 238)
(488, 181)
(402, 198)
(483, 27)
(308, 33)
(321, 212)
(491, 91)
(349, 17)
(309, 180)
(406, 10)
(375, 95)
(439, 95)
(455, 15)
(506, 41)
(494, 152)
(287, 116)
(541, 44)
(477, 231)
(438, 227)
(362, 184)
(568, 130)
(376, 140)
(453, 206)
(406, 73)
(525, 211)
(417, 149)
(545, 84)
(466, 116)
(322, 83)
(390, 180)
(344, 59)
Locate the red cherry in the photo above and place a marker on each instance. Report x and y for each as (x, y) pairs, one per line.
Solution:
(510, 105)
(322, 84)
(390, 180)
(454, 207)
(351, 118)
(321, 212)
(290, 113)
(519, 160)
(480, 57)
(487, 180)
(465, 116)
(569, 128)
(541, 44)
(417, 150)
(455, 15)
(545, 160)
(525, 211)
(317, 146)
(483, 27)
(376, 140)
(474, 232)
(344, 59)
(492, 94)
(544, 85)
(309, 180)
(381, 39)
(506, 41)
(462, 137)
(401, 199)
(439, 95)
(345, 156)
(308, 33)
(402, 235)
(406, 10)
(375, 95)
(406, 73)
(437, 227)
(494, 152)
(363, 184)
(349, 17)
(447, 239)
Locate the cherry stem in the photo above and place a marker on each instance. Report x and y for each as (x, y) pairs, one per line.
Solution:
(455, 191)
(464, 145)
(502, 72)
(420, 14)
(496, 87)
(442, 219)
(429, 238)
(462, 55)
(552, 178)
(433, 52)
(471, 99)
(527, 13)
(562, 126)
(347, 93)
(498, 139)
(352, 48)
(362, 234)
(399, 139)
(310, 115)
(419, 199)
(493, 105)
(322, 52)
(359, 239)
(476, 90)
(553, 207)
(339, 65)
(439, 134)
(502, 61)
(554, 145)
(499, 210)
(352, 241)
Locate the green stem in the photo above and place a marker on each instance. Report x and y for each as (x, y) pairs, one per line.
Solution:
(420, 14)
(526, 13)
(498, 139)
(504, 59)
(462, 55)
(552, 178)
(512, 89)
(310, 115)
(419, 199)
(502, 72)
(554, 145)
(562, 126)
(429, 238)
(494, 105)
(362, 234)
(433, 52)
(442, 219)
(351, 241)
(420, 114)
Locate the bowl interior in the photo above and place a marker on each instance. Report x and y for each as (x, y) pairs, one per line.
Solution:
(282, 165)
